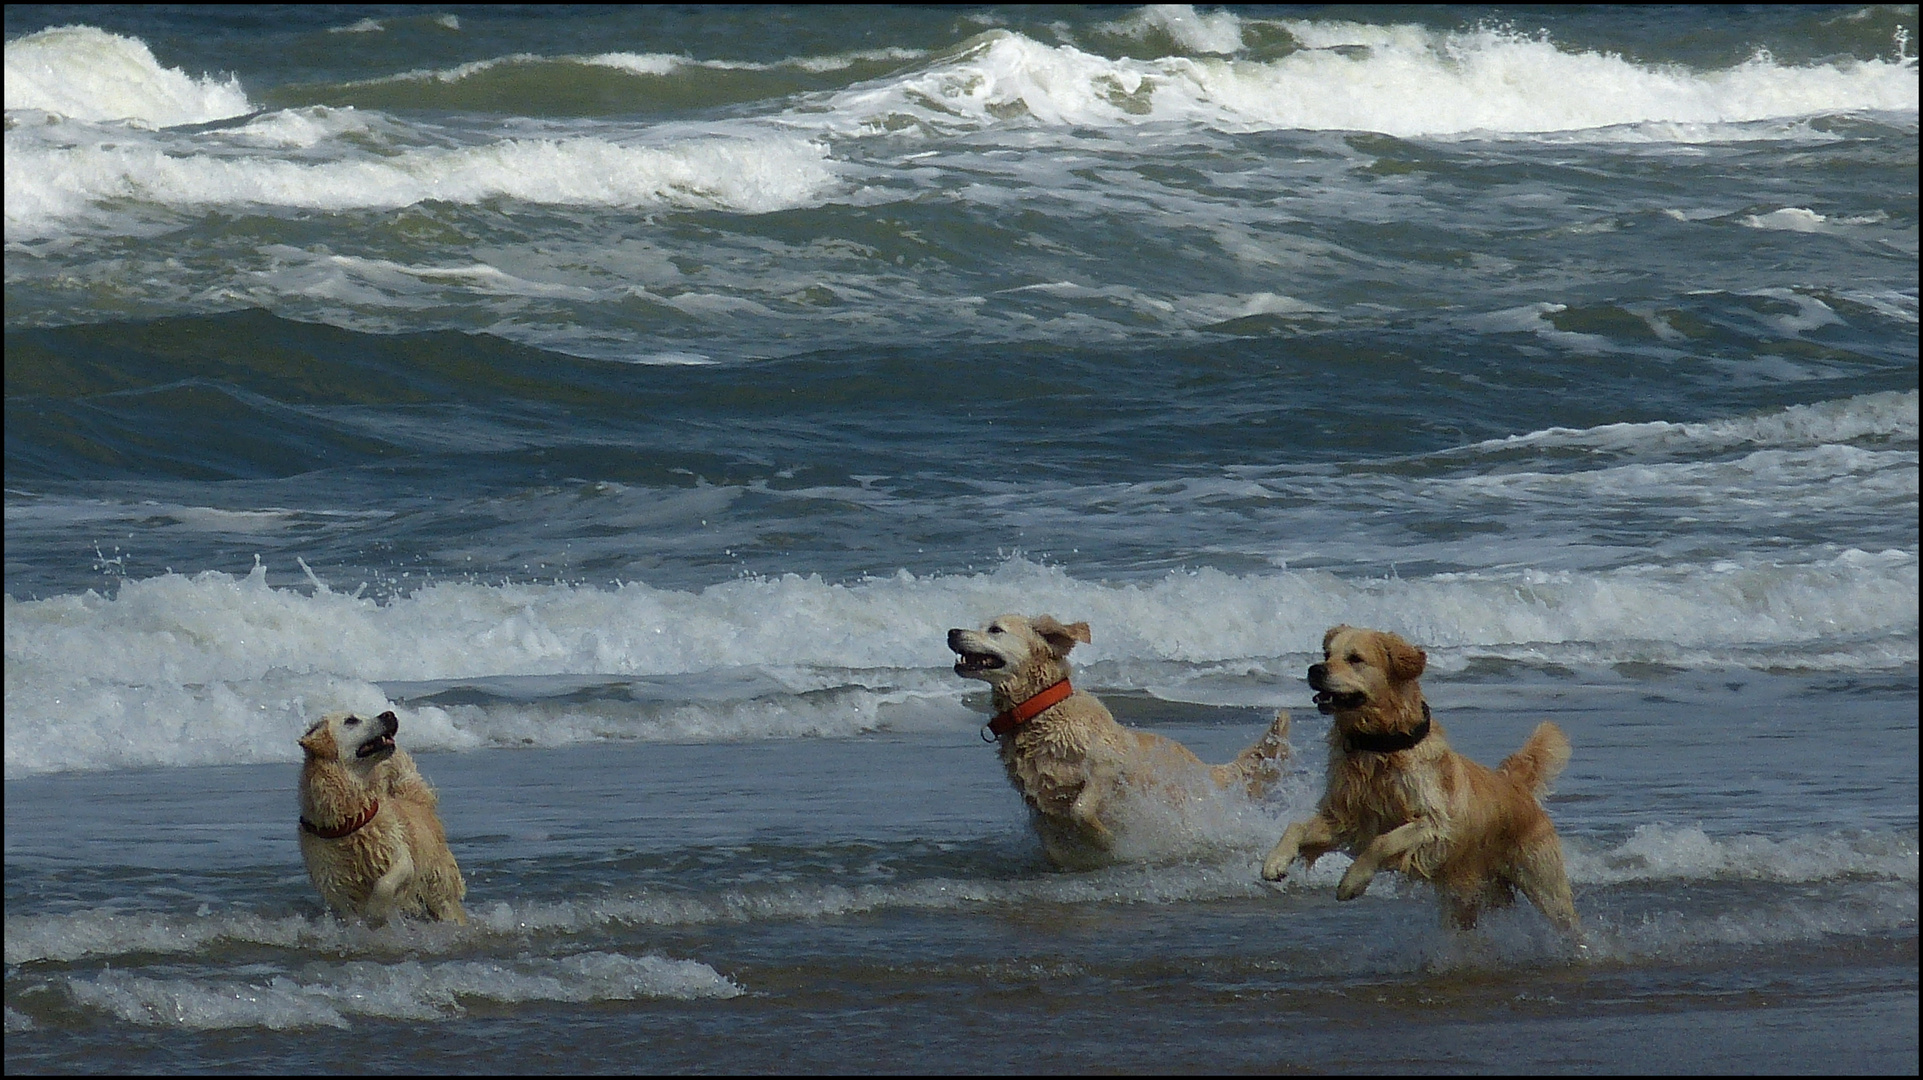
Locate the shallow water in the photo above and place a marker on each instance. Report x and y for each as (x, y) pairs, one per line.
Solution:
(632, 399)
(878, 903)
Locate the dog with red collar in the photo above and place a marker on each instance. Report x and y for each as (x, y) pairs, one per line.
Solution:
(1073, 763)
(369, 831)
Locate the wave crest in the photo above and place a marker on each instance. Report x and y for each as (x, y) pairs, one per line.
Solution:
(85, 73)
(96, 682)
(1403, 81)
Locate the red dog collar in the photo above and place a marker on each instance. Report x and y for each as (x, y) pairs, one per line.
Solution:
(345, 830)
(1005, 722)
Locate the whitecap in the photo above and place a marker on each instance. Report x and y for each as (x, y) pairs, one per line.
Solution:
(1399, 80)
(1889, 414)
(212, 667)
(1217, 32)
(49, 184)
(86, 73)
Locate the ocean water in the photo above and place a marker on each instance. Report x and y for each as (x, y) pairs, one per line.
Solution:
(631, 398)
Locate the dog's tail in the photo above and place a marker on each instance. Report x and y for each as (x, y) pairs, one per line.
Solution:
(1260, 766)
(1540, 760)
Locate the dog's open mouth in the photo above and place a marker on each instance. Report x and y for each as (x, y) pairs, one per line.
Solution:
(384, 744)
(1329, 701)
(971, 662)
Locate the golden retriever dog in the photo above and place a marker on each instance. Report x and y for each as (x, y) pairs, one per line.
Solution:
(1399, 797)
(369, 834)
(1067, 755)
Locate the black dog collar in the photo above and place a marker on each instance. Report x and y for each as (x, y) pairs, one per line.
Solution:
(1366, 743)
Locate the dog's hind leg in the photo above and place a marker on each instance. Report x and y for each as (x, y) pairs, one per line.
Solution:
(446, 909)
(1260, 766)
(1541, 877)
(441, 888)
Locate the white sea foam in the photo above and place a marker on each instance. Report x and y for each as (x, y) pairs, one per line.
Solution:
(1399, 80)
(1790, 218)
(300, 129)
(327, 995)
(85, 73)
(77, 935)
(1882, 865)
(383, 283)
(1218, 32)
(638, 63)
(1665, 935)
(47, 182)
(1800, 219)
(648, 64)
(1891, 414)
(1660, 853)
(212, 667)
(1225, 868)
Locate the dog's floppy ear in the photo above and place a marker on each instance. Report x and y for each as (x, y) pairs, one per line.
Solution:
(1060, 638)
(319, 740)
(1406, 662)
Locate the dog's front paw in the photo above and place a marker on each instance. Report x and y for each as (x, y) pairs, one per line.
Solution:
(1275, 868)
(1354, 883)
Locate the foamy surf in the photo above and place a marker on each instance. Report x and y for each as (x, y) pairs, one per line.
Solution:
(654, 65)
(1404, 81)
(1400, 80)
(214, 668)
(329, 995)
(220, 668)
(49, 183)
(1183, 870)
(85, 73)
(1659, 853)
(1658, 856)
(1890, 415)
(336, 994)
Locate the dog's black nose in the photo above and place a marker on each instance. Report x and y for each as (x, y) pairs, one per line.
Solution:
(1317, 673)
(953, 635)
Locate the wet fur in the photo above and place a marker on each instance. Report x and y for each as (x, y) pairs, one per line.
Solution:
(1073, 762)
(398, 864)
(1479, 835)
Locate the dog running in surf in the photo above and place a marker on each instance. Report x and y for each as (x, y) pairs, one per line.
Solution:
(1399, 798)
(1073, 763)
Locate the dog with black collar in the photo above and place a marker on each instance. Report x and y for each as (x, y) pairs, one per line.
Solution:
(1399, 798)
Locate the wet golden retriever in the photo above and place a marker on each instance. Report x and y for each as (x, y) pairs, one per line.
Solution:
(1067, 755)
(369, 833)
(1399, 797)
